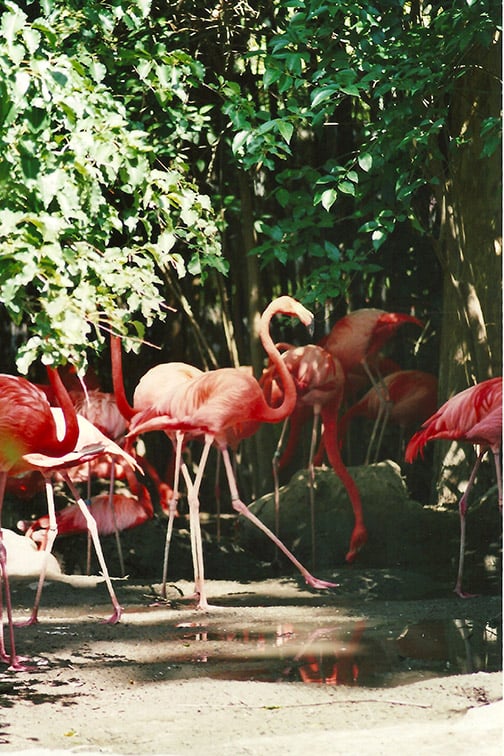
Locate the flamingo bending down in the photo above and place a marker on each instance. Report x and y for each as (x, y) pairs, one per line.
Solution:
(473, 415)
(224, 401)
(413, 398)
(27, 425)
(91, 443)
(356, 341)
(132, 506)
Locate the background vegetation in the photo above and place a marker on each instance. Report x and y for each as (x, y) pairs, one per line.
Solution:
(167, 168)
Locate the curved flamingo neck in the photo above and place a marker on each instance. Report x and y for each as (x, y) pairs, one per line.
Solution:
(55, 446)
(286, 407)
(124, 407)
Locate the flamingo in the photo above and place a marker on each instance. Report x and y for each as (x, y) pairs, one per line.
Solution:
(27, 425)
(356, 340)
(473, 415)
(91, 443)
(153, 393)
(132, 507)
(222, 401)
(413, 398)
(319, 381)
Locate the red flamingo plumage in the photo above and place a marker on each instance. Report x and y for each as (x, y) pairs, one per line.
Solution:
(412, 395)
(223, 400)
(473, 415)
(320, 380)
(357, 338)
(100, 408)
(132, 506)
(27, 425)
(91, 443)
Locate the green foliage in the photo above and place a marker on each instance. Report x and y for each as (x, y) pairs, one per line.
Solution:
(90, 219)
(370, 85)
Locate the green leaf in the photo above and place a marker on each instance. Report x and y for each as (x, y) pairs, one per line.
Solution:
(328, 198)
(285, 128)
(365, 161)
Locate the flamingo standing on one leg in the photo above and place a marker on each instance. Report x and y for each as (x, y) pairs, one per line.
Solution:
(224, 400)
(27, 425)
(473, 415)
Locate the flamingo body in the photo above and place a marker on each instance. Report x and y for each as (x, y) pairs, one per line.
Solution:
(477, 406)
(473, 415)
(411, 393)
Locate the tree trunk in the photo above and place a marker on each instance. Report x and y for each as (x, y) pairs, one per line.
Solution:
(469, 248)
(259, 449)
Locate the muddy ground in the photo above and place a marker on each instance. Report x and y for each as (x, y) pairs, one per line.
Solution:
(389, 661)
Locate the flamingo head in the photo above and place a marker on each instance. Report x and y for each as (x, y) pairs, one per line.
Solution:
(357, 541)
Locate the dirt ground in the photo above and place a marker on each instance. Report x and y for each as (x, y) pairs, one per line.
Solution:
(390, 661)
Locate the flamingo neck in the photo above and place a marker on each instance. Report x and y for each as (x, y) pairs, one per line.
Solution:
(286, 407)
(55, 446)
(123, 405)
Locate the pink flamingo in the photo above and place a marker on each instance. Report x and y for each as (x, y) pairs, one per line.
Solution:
(153, 392)
(222, 401)
(27, 425)
(473, 415)
(319, 381)
(356, 341)
(412, 395)
(101, 409)
(132, 507)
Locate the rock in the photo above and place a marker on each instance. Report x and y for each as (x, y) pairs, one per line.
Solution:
(401, 532)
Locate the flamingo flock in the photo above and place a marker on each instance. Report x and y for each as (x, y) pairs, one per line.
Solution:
(71, 436)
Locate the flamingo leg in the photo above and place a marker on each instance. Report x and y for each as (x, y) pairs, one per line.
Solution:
(241, 508)
(196, 539)
(462, 516)
(114, 520)
(15, 661)
(93, 530)
(311, 471)
(498, 472)
(383, 415)
(88, 539)
(217, 490)
(172, 507)
(52, 532)
(275, 466)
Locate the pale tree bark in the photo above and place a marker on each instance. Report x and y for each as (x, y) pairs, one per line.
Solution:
(470, 251)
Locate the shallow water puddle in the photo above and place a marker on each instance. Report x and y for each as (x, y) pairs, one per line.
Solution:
(336, 655)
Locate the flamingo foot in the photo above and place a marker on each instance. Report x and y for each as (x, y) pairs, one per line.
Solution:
(462, 594)
(319, 584)
(33, 620)
(115, 617)
(17, 663)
